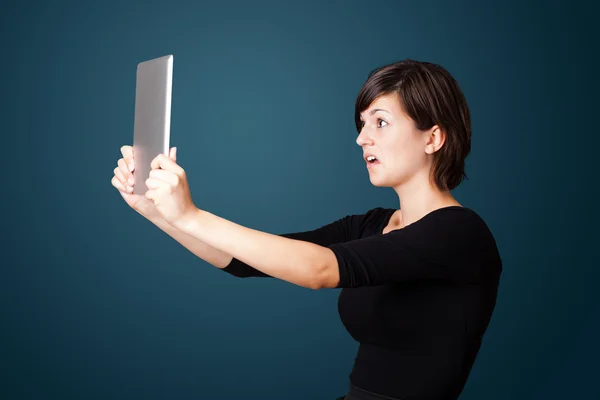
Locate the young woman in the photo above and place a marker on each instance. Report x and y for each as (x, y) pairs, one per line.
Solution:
(419, 283)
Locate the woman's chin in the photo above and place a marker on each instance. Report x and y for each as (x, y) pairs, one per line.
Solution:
(377, 182)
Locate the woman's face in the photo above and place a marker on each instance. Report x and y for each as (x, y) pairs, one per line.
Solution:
(391, 136)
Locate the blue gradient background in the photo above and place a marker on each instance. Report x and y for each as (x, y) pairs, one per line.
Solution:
(98, 303)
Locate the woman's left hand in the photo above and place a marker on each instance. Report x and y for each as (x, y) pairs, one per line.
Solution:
(168, 188)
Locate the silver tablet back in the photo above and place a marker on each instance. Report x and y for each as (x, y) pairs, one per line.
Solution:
(152, 124)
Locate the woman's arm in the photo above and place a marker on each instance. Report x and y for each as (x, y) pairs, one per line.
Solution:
(209, 254)
(295, 261)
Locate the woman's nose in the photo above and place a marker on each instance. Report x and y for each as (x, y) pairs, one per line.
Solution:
(363, 137)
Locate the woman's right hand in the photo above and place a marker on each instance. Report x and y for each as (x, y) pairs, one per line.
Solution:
(123, 181)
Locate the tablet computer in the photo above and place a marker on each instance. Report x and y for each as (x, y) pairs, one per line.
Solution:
(152, 122)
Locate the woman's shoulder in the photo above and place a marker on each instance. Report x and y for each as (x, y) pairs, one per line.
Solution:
(466, 216)
(373, 220)
(467, 219)
(463, 229)
(367, 222)
(450, 220)
(458, 226)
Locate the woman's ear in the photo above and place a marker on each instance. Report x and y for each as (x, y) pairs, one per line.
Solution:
(435, 140)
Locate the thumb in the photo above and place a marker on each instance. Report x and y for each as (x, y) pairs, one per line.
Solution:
(173, 153)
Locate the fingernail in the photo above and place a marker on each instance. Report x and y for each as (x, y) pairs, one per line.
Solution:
(175, 150)
(130, 166)
(130, 181)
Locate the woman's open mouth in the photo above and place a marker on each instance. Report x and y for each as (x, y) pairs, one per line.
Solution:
(372, 163)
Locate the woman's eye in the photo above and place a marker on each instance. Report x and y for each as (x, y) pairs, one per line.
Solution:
(379, 120)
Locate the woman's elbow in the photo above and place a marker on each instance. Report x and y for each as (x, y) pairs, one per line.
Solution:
(327, 275)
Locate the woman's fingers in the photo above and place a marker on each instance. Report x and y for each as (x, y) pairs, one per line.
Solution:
(123, 179)
(119, 175)
(123, 184)
(164, 176)
(173, 154)
(152, 183)
(127, 176)
(119, 185)
(127, 152)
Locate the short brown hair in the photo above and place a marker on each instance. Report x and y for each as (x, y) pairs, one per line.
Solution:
(430, 96)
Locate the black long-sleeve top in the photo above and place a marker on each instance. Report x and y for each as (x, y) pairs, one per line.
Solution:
(417, 299)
